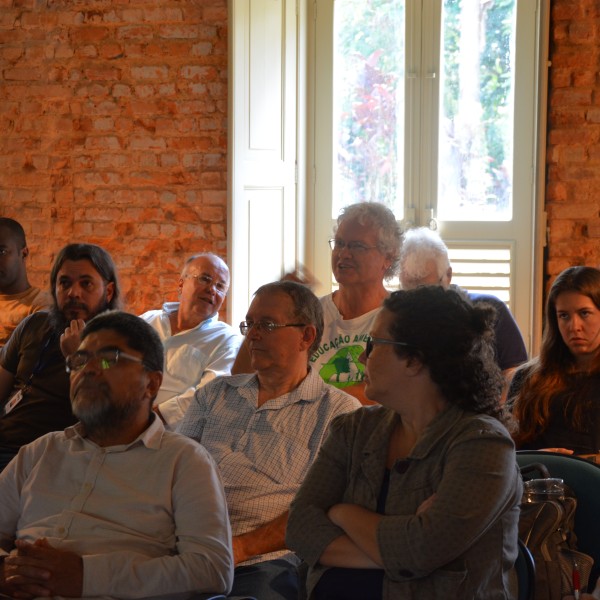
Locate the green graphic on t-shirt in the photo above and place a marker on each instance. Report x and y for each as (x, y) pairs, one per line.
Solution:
(343, 368)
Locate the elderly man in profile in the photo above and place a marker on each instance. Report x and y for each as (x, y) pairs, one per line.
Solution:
(18, 298)
(264, 430)
(114, 506)
(34, 387)
(198, 347)
(424, 261)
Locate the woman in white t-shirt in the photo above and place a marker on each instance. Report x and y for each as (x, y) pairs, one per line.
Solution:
(364, 253)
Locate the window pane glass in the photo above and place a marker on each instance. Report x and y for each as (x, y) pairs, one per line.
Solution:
(368, 98)
(476, 111)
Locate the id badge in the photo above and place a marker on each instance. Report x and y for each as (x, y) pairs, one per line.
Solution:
(13, 401)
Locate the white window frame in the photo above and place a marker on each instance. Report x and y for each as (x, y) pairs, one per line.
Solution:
(527, 274)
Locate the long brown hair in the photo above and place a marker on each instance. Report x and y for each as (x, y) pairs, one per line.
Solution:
(548, 374)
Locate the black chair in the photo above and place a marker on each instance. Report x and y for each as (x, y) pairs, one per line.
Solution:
(525, 568)
(583, 477)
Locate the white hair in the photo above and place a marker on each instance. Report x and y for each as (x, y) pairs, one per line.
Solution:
(419, 247)
(380, 217)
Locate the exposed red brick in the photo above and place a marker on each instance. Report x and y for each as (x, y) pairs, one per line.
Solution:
(102, 104)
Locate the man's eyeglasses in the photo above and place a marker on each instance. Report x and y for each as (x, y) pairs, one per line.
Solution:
(265, 326)
(208, 281)
(354, 247)
(372, 341)
(107, 357)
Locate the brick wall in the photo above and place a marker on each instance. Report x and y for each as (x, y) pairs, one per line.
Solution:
(113, 130)
(573, 152)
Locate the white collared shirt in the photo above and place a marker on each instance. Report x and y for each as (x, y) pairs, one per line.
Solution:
(149, 518)
(192, 358)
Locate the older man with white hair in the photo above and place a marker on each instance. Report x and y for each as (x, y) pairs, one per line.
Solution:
(198, 346)
(424, 261)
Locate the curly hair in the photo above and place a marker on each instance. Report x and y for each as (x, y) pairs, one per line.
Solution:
(547, 375)
(419, 247)
(377, 215)
(454, 340)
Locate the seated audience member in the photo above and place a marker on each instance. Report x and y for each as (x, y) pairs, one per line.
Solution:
(198, 347)
(419, 497)
(555, 398)
(34, 387)
(115, 506)
(18, 299)
(424, 261)
(264, 429)
(364, 253)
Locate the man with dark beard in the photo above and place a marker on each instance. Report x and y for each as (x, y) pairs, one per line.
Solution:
(34, 387)
(114, 506)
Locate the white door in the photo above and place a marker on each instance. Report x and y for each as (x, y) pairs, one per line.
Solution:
(262, 141)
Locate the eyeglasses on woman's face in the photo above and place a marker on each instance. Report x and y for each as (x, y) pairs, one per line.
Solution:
(372, 341)
(353, 247)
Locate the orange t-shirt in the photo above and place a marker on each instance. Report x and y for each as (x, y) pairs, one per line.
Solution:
(15, 307)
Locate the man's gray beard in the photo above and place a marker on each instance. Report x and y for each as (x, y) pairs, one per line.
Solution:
(57, 319)
(101, 416)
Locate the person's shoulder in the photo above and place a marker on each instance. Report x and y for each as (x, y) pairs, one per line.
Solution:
(329, 308)
(470, 424)
(339, 398)
(37, 322)
(225, 329)
(180, 441)
(224, 382)
(186, 447)
(151, 315)
(39, 299)
(44, 447)
(364, 419)
(479, 297)
(326, 299)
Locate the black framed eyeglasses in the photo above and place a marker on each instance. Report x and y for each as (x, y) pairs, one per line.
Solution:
(108, 358)
(372, 341)
(265, 326)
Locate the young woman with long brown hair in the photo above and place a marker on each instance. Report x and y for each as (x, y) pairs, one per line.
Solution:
(555, 398)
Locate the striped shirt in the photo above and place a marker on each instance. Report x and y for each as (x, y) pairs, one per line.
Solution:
(263, 453)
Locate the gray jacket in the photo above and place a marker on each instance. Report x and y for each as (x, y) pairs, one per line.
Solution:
(461, 548)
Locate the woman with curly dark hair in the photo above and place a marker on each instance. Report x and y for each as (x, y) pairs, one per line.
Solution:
(555, 398)
(418, 497)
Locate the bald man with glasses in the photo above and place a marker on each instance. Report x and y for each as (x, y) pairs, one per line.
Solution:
(264, 430)
(198, 346)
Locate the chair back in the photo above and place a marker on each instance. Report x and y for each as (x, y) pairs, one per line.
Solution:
(583, 477)
(525, 568)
